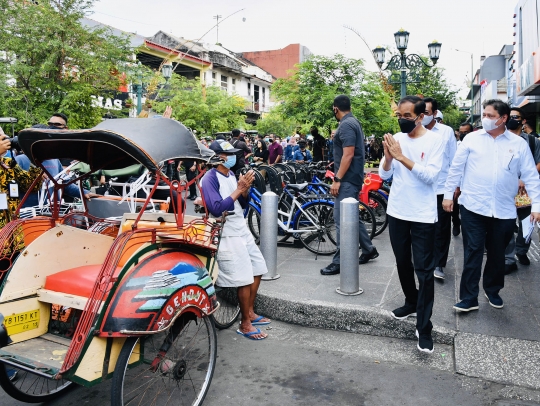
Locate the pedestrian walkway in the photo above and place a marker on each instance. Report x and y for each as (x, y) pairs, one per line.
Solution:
(303, 296)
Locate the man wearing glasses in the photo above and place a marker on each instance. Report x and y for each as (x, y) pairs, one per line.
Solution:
(59, 121)
(517, 247)
(489, 164)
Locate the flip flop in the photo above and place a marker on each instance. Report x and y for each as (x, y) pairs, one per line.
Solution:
(258, 322)
(250, 334)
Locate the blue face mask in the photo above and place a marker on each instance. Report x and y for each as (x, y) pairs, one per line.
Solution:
(266, 140)
(230, 162)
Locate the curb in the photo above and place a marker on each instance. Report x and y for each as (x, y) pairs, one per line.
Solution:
(350, 318)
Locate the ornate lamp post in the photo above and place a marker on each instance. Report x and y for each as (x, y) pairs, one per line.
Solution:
(139, 88)
(405, 67)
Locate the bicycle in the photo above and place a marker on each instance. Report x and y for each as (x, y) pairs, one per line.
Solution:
(311, 222)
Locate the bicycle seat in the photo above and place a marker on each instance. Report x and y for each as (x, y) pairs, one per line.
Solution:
(299, 187)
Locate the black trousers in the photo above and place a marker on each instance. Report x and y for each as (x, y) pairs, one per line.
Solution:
(442, 234)
(190, 175)
(420, 238)
(479, 231)
(456, 221)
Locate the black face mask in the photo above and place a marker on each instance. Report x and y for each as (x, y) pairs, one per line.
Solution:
(513, 124)
(335, 115)
(406, 126)
(462, 135)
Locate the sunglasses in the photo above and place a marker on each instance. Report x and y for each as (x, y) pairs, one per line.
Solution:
(56, 124)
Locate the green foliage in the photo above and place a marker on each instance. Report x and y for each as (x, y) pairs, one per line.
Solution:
(275, 123)
(453, 117)
(308, 95)
(205, 109)
(51, 63)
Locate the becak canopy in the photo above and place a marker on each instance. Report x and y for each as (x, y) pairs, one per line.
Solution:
(116, 144)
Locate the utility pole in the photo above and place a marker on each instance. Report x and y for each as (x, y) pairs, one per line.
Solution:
(217, 17)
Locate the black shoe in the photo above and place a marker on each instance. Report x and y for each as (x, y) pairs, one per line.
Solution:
(365, 258)
(509, 268)
(523, 259)
(192, 197)
(332, 269)
(425, 343)
(401, 313)
(456, 230)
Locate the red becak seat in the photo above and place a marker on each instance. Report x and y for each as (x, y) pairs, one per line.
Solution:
(78, 281)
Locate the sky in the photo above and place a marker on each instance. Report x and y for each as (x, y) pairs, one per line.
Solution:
(480, 27)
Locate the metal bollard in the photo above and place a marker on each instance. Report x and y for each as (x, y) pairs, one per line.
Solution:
(349, 279)
(268, 231)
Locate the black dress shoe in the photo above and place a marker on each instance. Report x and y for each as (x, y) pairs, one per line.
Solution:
(523, 259)
(332, 269)
(456, 230)
(365, 258)
(192, 197)
(509, 268)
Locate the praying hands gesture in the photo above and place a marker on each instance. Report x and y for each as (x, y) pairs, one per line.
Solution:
(245, 181)
(392, 149)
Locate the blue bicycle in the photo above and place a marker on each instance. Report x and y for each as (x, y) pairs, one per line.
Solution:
(311, 220)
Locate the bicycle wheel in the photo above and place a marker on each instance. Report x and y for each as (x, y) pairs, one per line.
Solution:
(229, 308)
(184, 359)
(316, 229)
(366, 216)
(29, 387)
(254, 223)
(378, 205)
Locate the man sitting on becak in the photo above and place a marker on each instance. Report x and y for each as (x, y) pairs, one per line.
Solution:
(240, 261)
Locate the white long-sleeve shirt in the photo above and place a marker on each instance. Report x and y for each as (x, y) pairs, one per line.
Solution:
(490, 168)
(413, 196)
(450, 146)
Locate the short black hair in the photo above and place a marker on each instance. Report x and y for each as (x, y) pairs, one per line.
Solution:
(500, 107)
(467, 123)
(62, 116)
(520, 111)
(434, 104)
(342, 102)
(235, 133)
(419, 104)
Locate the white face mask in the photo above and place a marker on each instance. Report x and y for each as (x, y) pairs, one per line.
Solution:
(427, 120)
(490, 125)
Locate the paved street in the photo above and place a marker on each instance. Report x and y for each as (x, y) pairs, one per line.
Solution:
(302, 366)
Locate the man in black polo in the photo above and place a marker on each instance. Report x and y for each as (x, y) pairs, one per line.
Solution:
(240, 155)
(349, 175)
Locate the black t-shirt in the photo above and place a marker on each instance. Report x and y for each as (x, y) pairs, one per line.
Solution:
(318, 144)
(348, 134)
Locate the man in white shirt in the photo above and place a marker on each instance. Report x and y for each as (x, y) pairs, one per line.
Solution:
(443, 227)
(490, 161)
(464, 129)
(414, 158)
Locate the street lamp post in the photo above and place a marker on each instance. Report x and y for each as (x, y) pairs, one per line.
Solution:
(407, 65)
(472, 84)
(140, 87)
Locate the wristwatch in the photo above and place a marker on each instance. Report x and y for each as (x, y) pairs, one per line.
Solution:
(336, 179)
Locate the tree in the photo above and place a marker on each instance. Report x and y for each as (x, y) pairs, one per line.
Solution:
(275, 123)
(308, 95)
(52, 63)
(205, 109)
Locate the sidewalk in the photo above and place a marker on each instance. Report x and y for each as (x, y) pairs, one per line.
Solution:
(496, 344)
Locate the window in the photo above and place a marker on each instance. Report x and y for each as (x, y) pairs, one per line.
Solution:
(233, 82)
(249, 89)
(263, 96)
(214, 81)
(224, 82)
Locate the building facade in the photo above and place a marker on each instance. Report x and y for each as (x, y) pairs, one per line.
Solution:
(524, 69)
(279, 62)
